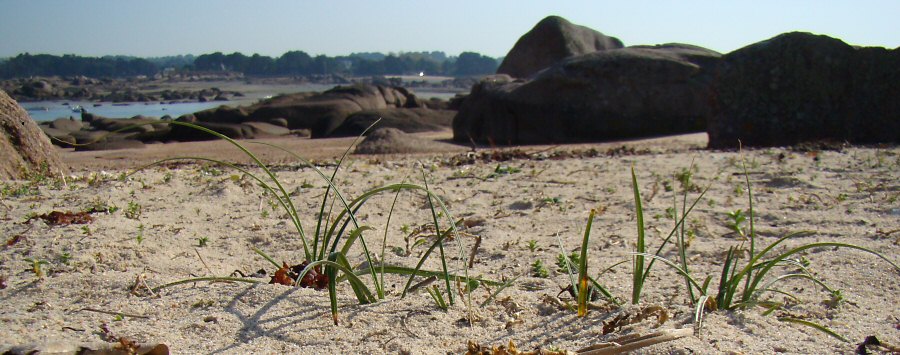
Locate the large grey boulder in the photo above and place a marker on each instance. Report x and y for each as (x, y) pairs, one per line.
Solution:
(799, 87)
(551, 40)
(604, 95)
(24, 148)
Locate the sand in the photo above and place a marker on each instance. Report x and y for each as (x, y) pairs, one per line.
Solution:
(848, 196)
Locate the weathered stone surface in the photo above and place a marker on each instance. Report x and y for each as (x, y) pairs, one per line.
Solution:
(395, 141)
(57, 136)
(111, 142)
(24, 148)
(323, 112)
(263, 129)
(407, 120)
(66, 124)
(551, 40)
(604, 95)
(799, 87)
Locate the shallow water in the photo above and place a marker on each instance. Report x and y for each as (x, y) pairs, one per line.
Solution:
(50, 110)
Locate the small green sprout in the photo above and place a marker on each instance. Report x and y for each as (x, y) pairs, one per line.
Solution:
(140, 235)
(737, 219)
(133, 211)
(538, 269)
(532, 245)
(37, 266)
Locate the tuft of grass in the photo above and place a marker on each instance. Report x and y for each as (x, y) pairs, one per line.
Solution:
(438, 298)
(337, 230)
(743, 285)
(133, 210)
(539, 270)
(736, 221)
(532, 245)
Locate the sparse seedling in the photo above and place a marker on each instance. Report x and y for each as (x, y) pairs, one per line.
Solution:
(539, 270)
(133, 210)
(532, 245)
(202, 241)
(37, 266)
(140, 234)
(736, 221)
(65, 257)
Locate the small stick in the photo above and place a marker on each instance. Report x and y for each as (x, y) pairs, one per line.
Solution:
(631, 342)
(113, 313)
(204, 262)
(474, 251)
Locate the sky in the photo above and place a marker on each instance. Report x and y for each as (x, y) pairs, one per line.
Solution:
(340, 27)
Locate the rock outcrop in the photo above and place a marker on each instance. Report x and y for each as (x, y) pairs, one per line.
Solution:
(323, 113)
(799, 87)
(395, 141)
(551, 40)
(603, 95)
(24, 148)
(409, 120)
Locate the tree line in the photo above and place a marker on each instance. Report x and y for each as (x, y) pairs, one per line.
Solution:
(293, 63)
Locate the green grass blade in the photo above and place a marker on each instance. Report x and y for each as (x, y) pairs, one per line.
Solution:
(672, 265)
(582, 272)
(814, 326)
(604, 292)
(496, 292)
(569, 273)
(387, 226)
(440, 243)
(768, 265)
(638, 269)
(267, 257)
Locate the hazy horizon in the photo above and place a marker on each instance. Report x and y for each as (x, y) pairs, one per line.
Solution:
(168, 28)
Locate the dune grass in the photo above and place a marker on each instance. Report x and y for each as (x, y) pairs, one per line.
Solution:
(741, 285)
(338, 231)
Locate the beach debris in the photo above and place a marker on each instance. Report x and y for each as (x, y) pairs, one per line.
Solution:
(290, 275)
(629, 317)
(620, 345)
(14, 240)
(57, 218)
(872, 343)
(122, 346)
(510, 349)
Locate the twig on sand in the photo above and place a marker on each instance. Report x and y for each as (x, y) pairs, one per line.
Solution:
(633, 342)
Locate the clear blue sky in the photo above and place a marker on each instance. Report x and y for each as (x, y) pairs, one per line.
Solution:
(170, 27)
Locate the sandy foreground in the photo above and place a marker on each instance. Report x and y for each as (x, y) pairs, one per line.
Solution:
(93, 289)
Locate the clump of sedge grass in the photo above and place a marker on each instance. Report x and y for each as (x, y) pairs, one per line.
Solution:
(337, 231)
(741, 285)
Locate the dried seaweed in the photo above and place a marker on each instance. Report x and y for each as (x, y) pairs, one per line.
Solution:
(57, 218)
(289, 276)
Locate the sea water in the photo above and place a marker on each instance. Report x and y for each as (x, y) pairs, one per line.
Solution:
(50, 110)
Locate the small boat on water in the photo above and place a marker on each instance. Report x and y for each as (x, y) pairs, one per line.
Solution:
(77, 108)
